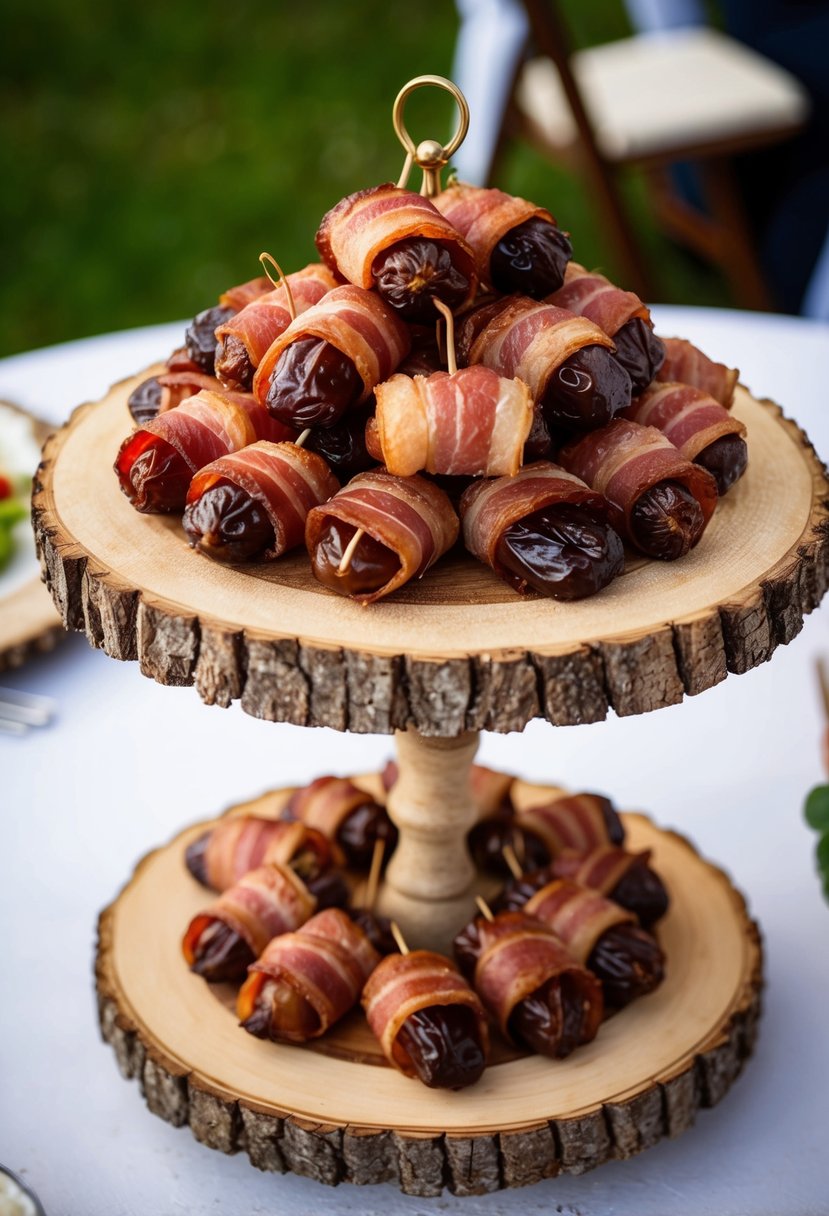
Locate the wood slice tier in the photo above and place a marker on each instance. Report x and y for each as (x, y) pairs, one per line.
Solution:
(458, 650)
(339, 1113)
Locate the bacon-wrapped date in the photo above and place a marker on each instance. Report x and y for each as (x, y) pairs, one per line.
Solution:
(346, 814)
(343, 446)
(542, 529)
(686, 364)
(407, 524)
(602, 935)
(252, 505)
(306, 981)
(471, 423)
(620, 314)
(397, 241)
(580, 822)
(626, 878)
(429, 1022)
(244, 338)
(698, 426)
(200, 336)
(223, 855)
(221, 942)
(541, 997)
(155, 464)
(660, 502)
(331, 358)
(163, 392)
(518, 246)
(566, 360)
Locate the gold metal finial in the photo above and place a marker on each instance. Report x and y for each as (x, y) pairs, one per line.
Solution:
(429, 155)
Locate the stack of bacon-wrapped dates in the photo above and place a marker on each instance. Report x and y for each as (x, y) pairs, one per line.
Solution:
(568, 941)
(447, 370)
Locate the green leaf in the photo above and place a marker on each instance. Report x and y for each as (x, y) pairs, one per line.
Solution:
(11, 512)
(6, 547)
(822, 854)
(816, 809)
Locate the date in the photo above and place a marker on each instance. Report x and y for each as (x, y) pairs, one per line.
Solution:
(640, 353)
(227, 524)
(726, 459)
(443, 1043)
(313, 384)
(530, 259)
(372, 564)
(158, 480)
(561, 552)
(232, 364)
(586, 391)
(200, 336)
(361, 830)
(629, 963)
(411, 274)
(144, 402)
(666, 521)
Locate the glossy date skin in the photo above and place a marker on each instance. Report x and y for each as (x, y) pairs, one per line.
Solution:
(444, 1046)
(551, 1021)
(221, 954)
(726, 459)
(666, 521)
(343, 445)
(376, 928)
(144, 402)
(159, 479)
(200, 336)
(313, 384)
(561, 552)
(359, 832)
(586, 391)
(640, 891)
(489, 838)
(372, 565)
(530, 259)
(640, 353)
(629, 963)
(227, 524)
(411, 274)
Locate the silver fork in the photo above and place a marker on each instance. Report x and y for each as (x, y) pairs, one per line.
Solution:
(20, 711)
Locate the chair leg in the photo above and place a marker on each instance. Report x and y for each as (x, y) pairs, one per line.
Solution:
(737, 256)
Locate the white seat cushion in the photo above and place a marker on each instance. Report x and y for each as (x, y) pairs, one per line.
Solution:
(661, 92)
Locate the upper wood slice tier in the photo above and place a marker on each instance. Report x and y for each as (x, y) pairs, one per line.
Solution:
(457, 651)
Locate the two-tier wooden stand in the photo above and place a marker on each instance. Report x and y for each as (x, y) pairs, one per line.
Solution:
(456, 654)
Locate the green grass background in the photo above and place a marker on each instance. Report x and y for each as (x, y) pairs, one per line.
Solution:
(149, 152)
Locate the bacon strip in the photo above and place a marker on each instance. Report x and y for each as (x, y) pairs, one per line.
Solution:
(471, 423)
(363, 225)
(519, 954)
(623, 459)
(488, 508)
(568, 821)
(244, 843)
(326, 803)
(530, 340)
(240, 296)
(484, 216)
(326, 963)
(262, 904)
(690, 417)
(602, 869)
(589, 294)
(285, 480)
(177, 386)
(403, 984)
(686, 364)
(578, 915)
(261, 322)
(358, 323)
(202, 429)
(409, 515)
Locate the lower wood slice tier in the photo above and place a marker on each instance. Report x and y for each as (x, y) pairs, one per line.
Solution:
(336, 1112)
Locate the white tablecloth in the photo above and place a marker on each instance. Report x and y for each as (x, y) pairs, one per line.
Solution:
(128, 763)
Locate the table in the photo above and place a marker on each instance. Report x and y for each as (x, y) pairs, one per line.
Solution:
(729, 768)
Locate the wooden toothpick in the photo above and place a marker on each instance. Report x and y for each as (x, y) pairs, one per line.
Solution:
(267, 261)
(302, 438)
(510, 857)
(345, 560)
(483, 907)
(451, 358)
(374, 873)
(399, 938)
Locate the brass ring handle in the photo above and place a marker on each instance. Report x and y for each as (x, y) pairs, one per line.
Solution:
(429, 155)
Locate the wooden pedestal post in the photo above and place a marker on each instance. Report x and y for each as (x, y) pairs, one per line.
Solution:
(429, 881)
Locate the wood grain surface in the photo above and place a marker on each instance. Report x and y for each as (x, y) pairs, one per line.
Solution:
(339, 1113)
